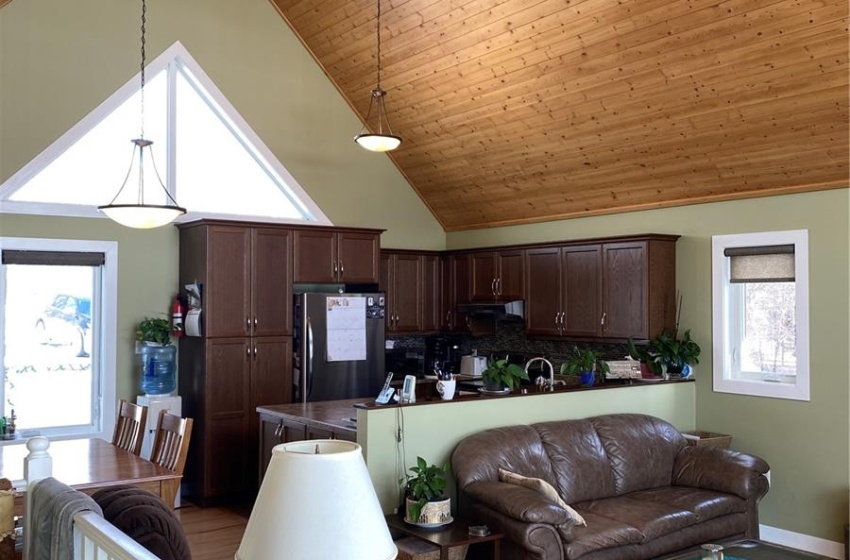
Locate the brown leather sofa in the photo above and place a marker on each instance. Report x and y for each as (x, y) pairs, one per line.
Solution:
(641, 489)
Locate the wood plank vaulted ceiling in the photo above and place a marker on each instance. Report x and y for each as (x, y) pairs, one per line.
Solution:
(516, 111)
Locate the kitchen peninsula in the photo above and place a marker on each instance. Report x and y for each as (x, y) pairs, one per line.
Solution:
(433, 431)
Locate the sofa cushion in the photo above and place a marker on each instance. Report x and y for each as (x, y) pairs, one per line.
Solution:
(579, 462)
(651, 519)
(634, 464)
(706, 504)
(542, 487)
(515, 448)
(601, 533)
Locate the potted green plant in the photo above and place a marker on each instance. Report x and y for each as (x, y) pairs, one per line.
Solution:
(649, 367)
(158, 356)
(502, 374)
(425, 500)
(586, 364)
(675, 353)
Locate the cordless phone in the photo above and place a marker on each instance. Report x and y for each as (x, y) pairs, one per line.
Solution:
(386, 391)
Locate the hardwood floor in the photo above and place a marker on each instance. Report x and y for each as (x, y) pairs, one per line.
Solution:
(214, 533)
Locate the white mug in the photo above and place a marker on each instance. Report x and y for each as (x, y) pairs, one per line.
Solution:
(446, 389)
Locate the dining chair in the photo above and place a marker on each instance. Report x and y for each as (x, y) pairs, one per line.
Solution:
(170, 447)
(130, 426)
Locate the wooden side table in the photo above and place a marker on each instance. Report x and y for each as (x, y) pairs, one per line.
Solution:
(454, 534)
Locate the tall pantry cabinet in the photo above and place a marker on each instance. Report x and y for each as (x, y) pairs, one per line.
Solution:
(244, 358)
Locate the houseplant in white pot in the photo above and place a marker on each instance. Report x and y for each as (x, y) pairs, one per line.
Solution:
(158, 356)
(425, 500)
(501, 375)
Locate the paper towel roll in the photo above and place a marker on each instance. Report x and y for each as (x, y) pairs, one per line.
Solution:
(193, 322)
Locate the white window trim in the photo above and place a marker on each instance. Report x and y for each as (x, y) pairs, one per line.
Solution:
(720, 330)
(108, 317)
(174, 57)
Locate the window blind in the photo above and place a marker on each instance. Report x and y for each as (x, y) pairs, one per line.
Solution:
(771, 263)
(65, 258)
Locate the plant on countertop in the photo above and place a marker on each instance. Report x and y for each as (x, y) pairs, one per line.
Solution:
(427, 484)
(154, 330)
(675, 353)
(583, 361)
(645, 355)
(502, 373)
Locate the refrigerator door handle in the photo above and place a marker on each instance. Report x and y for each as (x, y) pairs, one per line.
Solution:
(308, 368)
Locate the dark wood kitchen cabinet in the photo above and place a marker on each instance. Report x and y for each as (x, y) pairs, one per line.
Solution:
(497, 275)
(411, 281)
(333, 255)
(244, 358)
(456, 289)
(614, 290)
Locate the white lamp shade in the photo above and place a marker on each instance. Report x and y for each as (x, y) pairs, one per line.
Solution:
(317, 506)
(142, 216)
(378, 142)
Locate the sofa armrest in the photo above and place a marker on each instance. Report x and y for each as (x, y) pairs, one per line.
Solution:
(520, 503)
(721, 470)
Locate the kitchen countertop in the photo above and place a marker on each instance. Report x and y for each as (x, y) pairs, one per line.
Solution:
(337, 416)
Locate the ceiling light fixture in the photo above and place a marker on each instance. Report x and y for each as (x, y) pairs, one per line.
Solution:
(383, 140)
(135, 213)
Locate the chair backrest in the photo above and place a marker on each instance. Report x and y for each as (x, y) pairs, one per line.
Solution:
(130, 426)
(171, 441)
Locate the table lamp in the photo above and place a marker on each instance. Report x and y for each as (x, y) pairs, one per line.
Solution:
(317, 502)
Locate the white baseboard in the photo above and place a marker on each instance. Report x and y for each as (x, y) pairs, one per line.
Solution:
(807, 543)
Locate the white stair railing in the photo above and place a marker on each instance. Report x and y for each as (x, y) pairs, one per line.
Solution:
(94, 537)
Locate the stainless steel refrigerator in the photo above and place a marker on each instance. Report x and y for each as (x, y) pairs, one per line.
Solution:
(338, 346)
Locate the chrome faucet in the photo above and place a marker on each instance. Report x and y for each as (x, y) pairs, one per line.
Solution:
(543, 383)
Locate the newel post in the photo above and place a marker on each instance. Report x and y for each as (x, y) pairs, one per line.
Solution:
(38, 464)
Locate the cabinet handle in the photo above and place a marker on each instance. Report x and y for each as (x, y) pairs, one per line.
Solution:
(255, 350)
(335, 267)
(248, 351)
(341, 268)
(563, 314)
(493, 286)
(248, 324)
(278, 429)
(255, 321)
(557, 320)
(499, 286)
(602, 321)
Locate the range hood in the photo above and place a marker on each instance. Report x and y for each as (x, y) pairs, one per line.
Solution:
(503, 309)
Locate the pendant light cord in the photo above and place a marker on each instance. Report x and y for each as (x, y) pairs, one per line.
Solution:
(142, 91)
(379, 44)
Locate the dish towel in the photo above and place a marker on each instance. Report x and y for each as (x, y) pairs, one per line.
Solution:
(52, 509)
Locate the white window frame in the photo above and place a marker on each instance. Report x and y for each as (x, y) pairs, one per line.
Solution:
(106, 403)
(722, 328)
(174, 59)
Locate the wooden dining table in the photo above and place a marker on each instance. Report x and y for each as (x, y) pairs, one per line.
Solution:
(88, 465)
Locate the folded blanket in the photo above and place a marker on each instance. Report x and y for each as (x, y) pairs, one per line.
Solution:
(51, 514)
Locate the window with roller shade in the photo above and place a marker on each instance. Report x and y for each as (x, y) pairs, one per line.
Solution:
(59, 301)
(760, 314)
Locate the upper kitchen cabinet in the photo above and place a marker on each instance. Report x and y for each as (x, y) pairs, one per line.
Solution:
(332, 255)
(411, 281)
(246, 277)
(497, 275)
(618, 289)
(456, 288)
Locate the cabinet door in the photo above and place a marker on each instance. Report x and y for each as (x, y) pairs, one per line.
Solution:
(431, 300)
(510, 283)
(543, 281)
(625, 290)
(227, 400)
(407, 293)
(484, 273)
(271, 279)
(315, 256)
(582, 290)
(227, 294)
(358, 257)
(460, 290)
(270, 432)
(314, 432)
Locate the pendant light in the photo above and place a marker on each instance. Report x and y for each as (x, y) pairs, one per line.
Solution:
(135, 213)
(383, 139)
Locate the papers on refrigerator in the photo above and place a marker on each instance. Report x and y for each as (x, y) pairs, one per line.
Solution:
(346, 320)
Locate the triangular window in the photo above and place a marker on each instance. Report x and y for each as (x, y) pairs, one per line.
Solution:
(208, 156)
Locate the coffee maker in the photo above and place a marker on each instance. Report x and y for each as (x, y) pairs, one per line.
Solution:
(442, 352)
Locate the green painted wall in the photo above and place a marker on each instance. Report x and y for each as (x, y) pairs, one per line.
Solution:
(59, 60)
(806, 443)
(432, 431)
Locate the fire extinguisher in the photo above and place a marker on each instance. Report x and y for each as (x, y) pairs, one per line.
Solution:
(177, 318)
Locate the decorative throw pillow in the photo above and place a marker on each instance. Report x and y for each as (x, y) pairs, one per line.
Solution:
(544, 488)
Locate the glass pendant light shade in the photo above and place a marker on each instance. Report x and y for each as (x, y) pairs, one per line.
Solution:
(142, 210)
